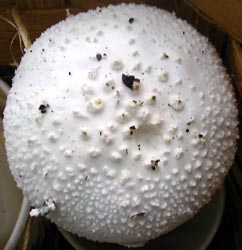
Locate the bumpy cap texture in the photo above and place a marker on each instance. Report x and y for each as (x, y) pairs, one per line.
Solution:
(121, 123)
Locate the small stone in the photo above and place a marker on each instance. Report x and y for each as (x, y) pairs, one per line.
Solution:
(131, 82)
(164, 56)
(131, 20)
(99, 57)
(43, 108)
(152, 99)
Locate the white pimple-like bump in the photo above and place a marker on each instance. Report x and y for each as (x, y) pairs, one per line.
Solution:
(133, 105)
(129, 28)
(95, 105)
(79, 114)
(111, 127)
(94, 152)
(156, 121)
(116, 157)
(68, 153)
(148, 69)
(57, 186)
(123, 116)
(180, 135)
(100, 33)
(106, 137)
(110, 173)
(173, 129)
(39, 120)
(53, 137)
(109, 85)
(82, 166)
(137, 66)
(93, 74)
(179, 152)
(178, 60)
(155, 203)
(152, 99)
(117, 94)
(135, 53)
(124, 150)
(56, 121)
(93, 171)
(125, 176)
(84, 133)
(87, 90)
(163, 76)
(131, 41)
(175, 171)
(144, 115)
(176, 103)
(192, 87)
(137, 156)
(117, 65)
(188, 168)
(201, 95)
(167, 138)
(124, 203)
(178, 82)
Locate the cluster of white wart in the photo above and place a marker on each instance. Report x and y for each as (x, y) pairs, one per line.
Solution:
(121, 123)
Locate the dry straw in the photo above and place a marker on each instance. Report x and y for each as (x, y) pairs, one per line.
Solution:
(21, 33)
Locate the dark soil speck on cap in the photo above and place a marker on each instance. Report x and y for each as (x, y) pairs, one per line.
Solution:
(129, 80)
(43, 108)
(99, 57)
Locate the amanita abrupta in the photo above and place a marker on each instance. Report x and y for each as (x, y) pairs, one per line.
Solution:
(121, 123)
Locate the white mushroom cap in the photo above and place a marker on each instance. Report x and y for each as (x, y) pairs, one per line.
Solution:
(121, 123)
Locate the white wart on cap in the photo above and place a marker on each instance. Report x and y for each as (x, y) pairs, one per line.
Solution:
(121, 123)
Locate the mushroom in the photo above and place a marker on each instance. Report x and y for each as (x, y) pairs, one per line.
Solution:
(121, 123)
